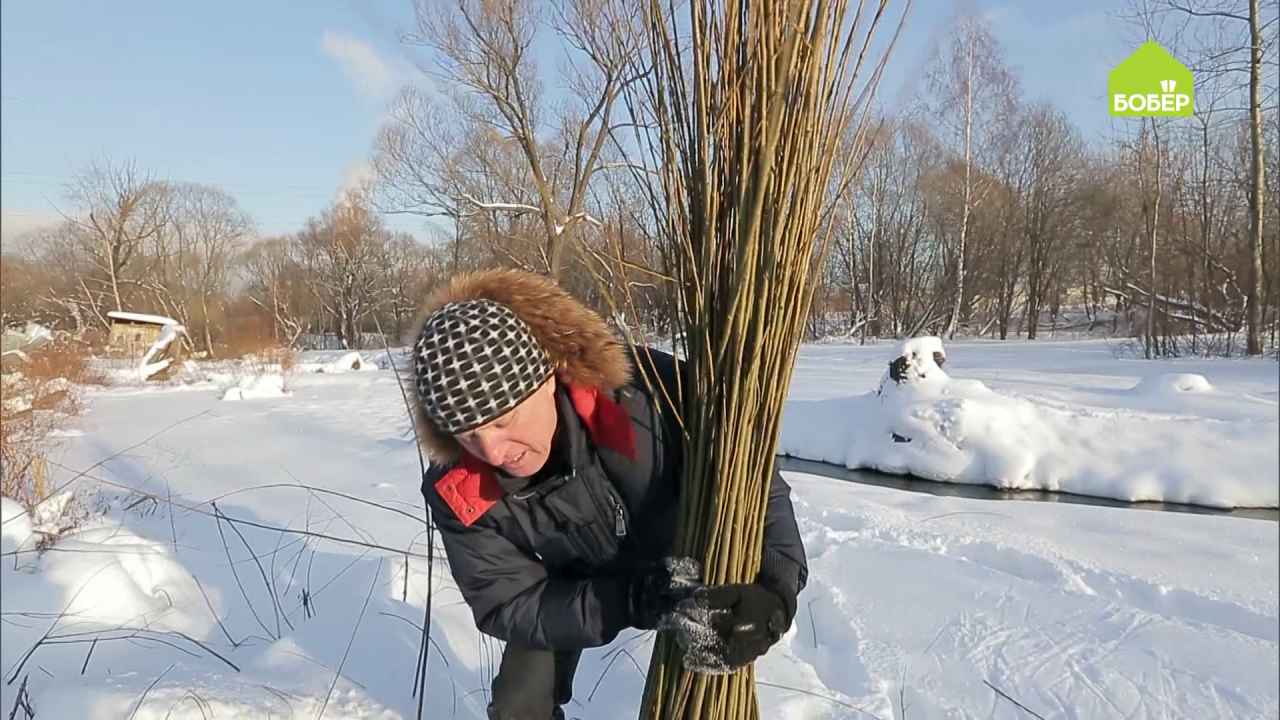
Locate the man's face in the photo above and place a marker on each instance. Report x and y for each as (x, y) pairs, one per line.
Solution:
(519, 442)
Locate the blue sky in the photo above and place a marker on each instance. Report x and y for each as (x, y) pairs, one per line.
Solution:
(279, 105)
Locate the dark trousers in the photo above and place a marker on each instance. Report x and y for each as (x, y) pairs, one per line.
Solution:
(533, 684)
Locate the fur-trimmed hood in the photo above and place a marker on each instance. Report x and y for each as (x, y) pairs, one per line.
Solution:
(585, 352)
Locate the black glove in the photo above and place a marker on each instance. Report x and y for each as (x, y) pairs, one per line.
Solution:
(726, 627)
(655, 590)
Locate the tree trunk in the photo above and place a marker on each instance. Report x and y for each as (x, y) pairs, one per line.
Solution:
(208, 337)
(1033, 305)
(1155, 222)
(1206, 220)
(457, 241)
(873, 310)
(968, 191)
(115, 278)
(1253, 320)
(275, 312)
(1004, 310)
(555, 248)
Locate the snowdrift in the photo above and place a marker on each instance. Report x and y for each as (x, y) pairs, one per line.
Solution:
(932, 425)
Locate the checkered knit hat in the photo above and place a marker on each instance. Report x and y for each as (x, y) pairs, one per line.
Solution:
(473, 362)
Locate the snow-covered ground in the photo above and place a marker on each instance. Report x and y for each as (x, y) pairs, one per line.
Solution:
(1060, 416)
(917, 607)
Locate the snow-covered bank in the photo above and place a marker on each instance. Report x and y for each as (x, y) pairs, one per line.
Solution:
(1093, 425)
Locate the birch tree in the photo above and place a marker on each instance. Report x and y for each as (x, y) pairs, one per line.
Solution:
(1236, 40)
(973, 91)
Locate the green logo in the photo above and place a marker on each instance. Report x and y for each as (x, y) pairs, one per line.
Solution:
(1151, 83)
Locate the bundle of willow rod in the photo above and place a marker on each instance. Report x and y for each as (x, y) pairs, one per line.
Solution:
(751, 100)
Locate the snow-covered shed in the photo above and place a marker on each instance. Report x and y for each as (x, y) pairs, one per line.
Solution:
(134, 333)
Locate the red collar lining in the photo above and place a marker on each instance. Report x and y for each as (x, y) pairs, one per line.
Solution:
(470, 489)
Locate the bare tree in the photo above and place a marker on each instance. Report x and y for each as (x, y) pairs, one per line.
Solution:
(432, 162)
(20, 292)
(408, 267)
(1054, 156)
(344, 252)
(276, 285)
(1150, 152)
(1234, 39)
(212, 229)
(1013, 175)
(60, 290)
(973, 88)
(882, 253)
(119, 210)
(485, 48)
(418, 164)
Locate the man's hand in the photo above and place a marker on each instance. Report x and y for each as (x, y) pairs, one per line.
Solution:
(726, 627)
(656, 590)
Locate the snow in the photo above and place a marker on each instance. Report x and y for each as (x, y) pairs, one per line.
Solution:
(915, 603)
(36, 331)
(921, 347)
(15, 526)
(341, 361)
(141, 317)
(231, 379)
(320, 362)
(20, 393)
(1172, 384)
(16, 396)
(514, 207)
(32, 334)
(256, 387)
(149, 367)
(1075, 611)
(348, 362)
(1091, 427)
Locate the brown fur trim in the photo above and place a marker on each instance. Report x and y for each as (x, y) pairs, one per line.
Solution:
(579, 343)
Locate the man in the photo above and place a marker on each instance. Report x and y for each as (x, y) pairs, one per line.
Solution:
(555, 486)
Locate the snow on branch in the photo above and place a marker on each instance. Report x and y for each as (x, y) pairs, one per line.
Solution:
(1165, 304)
(559, 229)
(512, 207)
(626, 166)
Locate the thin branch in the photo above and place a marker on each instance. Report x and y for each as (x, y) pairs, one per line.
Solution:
(1200, 13)
(1024, 708)
(243, 593)
(148, 691)
(354, 631)
(828, 698)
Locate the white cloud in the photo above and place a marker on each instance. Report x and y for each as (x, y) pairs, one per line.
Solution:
(356, 176)
(14, 222)
(367, 71)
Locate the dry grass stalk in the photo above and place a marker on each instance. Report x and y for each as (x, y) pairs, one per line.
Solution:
(40, 399)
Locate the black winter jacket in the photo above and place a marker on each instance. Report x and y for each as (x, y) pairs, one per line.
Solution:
(547, 565)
